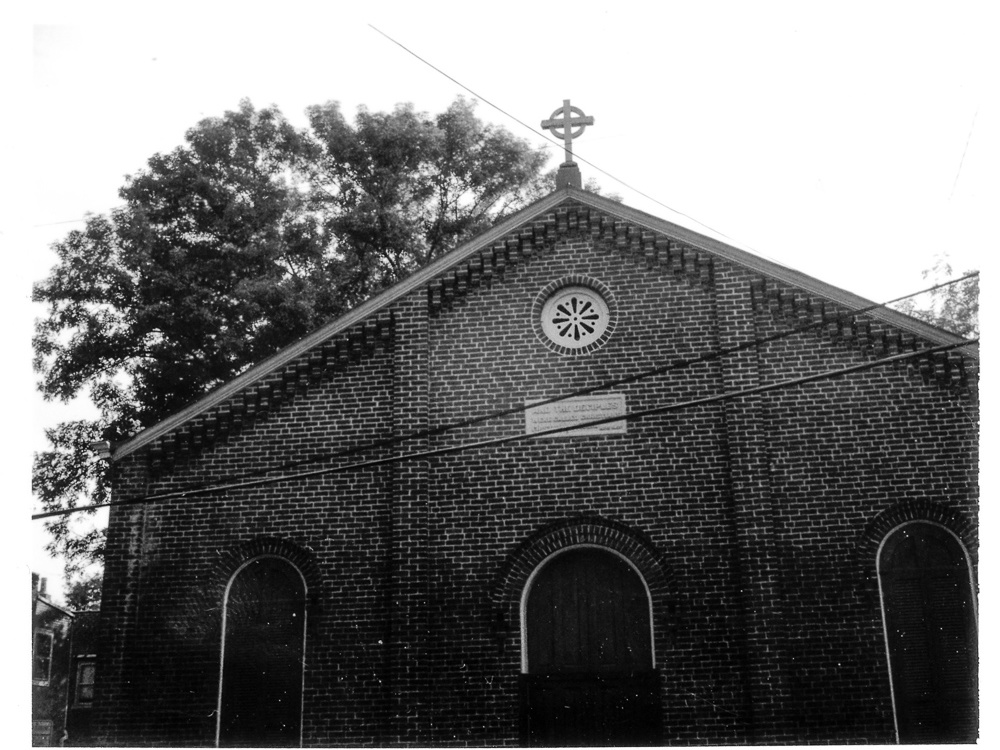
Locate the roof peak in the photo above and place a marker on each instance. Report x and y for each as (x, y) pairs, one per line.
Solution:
(558, 211)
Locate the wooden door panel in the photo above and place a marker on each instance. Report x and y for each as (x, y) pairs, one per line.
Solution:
(588, 611)
(586, 710)
(590, 659)
(262, 664)
(930, 624)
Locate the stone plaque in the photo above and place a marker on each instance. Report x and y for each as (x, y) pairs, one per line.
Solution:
(573, 411)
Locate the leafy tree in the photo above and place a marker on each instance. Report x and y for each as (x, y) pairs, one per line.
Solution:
(398, 190)
(68, 473)
(954, 307)
(84, 593)
(238, 242)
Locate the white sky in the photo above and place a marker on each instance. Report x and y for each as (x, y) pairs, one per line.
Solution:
(852, 141)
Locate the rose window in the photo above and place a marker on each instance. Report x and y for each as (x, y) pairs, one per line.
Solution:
(575, 317)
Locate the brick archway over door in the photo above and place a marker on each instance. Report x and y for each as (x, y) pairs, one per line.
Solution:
(590, 677)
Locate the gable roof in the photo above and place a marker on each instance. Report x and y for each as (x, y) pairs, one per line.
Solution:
(537, 217)
(41, 603)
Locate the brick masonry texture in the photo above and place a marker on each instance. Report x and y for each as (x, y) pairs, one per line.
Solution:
(754, 522)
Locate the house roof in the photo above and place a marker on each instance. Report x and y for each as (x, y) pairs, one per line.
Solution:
(513, 227)
(41, 601)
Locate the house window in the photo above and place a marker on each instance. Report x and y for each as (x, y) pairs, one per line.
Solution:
(263, 650)
(929, 616)
(41, 667)
(85, 672)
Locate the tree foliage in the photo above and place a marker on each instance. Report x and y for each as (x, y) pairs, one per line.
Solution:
(233, 245)
(954, 307)
(63, 475)
(398, 190)
(84, 593)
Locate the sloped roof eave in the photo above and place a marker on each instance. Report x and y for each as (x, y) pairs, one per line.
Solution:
(351, 318)
(381, 301)
(45, 602)
(779, 272)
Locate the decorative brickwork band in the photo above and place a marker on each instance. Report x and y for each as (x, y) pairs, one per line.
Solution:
(878, 528)
(585, 530)
(609, 234)
(861, 332)
(867, 549)
(229, 561)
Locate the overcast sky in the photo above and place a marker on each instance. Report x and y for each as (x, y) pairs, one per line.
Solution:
(852, 144)
(850, 141)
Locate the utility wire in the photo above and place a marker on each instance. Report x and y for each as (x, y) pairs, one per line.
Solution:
(678, 364)
(560, 144)
(436, 452)
(83, 218)
(635, 377)
(964, 150)
(57, 223)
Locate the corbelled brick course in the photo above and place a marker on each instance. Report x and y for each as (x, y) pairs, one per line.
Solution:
(754, 522)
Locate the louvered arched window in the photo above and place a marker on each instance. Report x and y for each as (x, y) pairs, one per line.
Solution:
(260, 696)
(929, 613)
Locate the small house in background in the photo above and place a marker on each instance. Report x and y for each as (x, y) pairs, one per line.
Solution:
(63, 668)
(590, 478)
(50, 666)
(82, 674)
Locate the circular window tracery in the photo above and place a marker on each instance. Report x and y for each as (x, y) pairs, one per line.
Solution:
(574, 315)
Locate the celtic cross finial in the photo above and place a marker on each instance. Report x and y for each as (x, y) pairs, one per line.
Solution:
(562, 124)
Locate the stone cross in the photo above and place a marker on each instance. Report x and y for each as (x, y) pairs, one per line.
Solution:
(563, 119)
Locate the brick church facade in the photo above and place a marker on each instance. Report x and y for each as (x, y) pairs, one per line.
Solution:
(760, 533)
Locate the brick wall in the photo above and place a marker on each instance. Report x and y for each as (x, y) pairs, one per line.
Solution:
(751, 520)
(169, 561)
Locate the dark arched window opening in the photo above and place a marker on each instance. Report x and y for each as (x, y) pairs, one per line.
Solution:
(930, 623)
(589, 671)
(260, 703)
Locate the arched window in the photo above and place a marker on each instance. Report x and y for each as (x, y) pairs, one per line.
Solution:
(588, 653)
(928, 608)
(263, 647)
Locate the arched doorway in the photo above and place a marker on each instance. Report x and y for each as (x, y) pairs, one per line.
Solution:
(928, 608)
(589, 676)
(260, 696)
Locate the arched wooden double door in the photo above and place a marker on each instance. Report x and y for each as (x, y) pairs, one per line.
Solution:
(260, 701)
(589, 671)
(930, 623)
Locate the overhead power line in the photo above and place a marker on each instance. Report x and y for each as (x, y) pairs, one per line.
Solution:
(57, 223)
(635, 377)
(576, 156)
(89, 216)
(678, 364)
(520, 437)
(964, 150)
